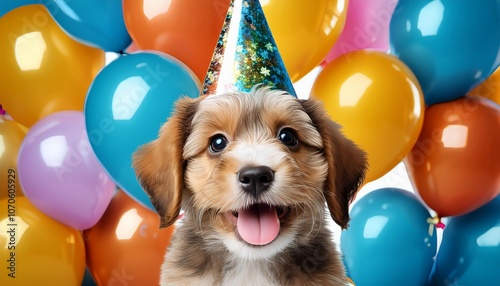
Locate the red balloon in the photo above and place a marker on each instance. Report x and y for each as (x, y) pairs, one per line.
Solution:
(455, 164)
(187, 30)
(126, 246)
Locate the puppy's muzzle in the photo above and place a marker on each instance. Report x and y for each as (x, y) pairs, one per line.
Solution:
(256, 180)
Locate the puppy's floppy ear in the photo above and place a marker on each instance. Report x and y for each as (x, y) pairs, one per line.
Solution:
(347, 163)
(159, 165)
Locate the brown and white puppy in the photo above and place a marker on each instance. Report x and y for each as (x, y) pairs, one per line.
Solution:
(253, 173)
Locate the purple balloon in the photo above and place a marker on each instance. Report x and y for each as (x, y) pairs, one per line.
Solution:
(60, 174)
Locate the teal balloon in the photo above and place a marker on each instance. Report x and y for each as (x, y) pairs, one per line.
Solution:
(88, 280)
(127, 103)
(8, 5)
(389, 241)
(450, 45)
(470, 250)
(98, 23)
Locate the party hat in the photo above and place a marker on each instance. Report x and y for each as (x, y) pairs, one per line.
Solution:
(246, 53)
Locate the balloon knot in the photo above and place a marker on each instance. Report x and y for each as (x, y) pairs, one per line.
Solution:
(440, 225)
(2, 112)
(436, 222)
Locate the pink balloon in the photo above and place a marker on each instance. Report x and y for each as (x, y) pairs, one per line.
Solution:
(366, 27)
(59, 172)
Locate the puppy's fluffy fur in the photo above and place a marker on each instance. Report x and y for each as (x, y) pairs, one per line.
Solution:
(182, 168)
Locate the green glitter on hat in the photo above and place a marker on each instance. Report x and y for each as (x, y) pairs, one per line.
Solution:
(246, 53)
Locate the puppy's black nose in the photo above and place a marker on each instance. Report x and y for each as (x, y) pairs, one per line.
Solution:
(256, 180)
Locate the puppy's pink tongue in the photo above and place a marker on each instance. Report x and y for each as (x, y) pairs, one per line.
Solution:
(258, 225)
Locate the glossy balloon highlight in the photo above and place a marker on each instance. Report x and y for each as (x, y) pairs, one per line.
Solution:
(60, 173)
(451, 46)
(378, 102)
(127, 244)
(470, 250)
(389, 241)
(46, 252)
(169, 29)
(454, 163)
(94, 22)
(43, 70)
(302, 43)
(128, 102)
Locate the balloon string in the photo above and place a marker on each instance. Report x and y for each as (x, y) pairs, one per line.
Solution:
(435, 222)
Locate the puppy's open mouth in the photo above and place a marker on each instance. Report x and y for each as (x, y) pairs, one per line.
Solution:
(258, 224)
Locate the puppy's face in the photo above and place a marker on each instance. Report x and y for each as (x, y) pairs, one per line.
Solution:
(255, 169)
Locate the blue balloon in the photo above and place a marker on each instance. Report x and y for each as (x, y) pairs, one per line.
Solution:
(450, 45)
(127, 103)
(98, 23)
(470, 250)
(8, 5)
(88, 280)
(389, 241)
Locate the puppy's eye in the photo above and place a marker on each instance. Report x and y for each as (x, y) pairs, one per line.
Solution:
(218, 143)
(287, 137)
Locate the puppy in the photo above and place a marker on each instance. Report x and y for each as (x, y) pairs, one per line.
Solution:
(253, 173)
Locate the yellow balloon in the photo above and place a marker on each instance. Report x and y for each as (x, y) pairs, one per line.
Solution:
(490, 88)
(42, 69)
(11, 137)
(37, 250)
(24, 128)
(379, 103)
(304, 31)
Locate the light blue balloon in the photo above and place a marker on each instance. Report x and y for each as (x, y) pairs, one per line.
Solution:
(450, 45)
(8, 5)
(126, 105)
(389, 241)
(98, 23)
(470, 250)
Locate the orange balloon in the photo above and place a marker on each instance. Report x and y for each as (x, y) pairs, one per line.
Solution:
(37, 250)
(490, 88)
(126, 246)
(455, 164)
(378, 102)
(11, 137)
(43, 69)
(187, 30)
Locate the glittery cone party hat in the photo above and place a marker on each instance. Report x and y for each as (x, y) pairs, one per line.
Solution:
(246, 53)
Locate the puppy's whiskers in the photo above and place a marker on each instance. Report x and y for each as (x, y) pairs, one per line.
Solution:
(317, 218)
